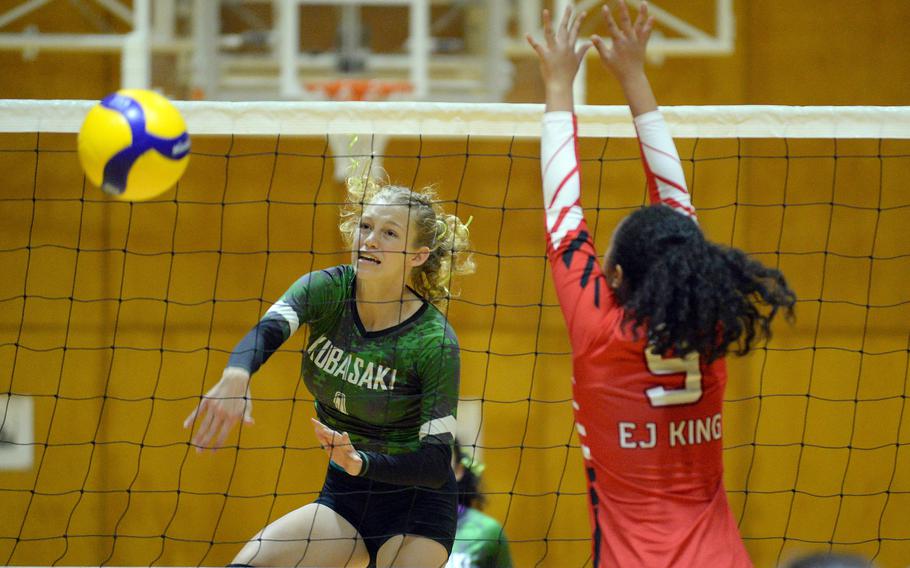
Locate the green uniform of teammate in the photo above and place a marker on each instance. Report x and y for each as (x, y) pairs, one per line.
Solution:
(479, 542)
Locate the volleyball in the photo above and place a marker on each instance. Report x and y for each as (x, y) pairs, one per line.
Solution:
(134, 144)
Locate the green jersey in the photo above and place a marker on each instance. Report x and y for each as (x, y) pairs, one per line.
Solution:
(479, 542)
(390, 389)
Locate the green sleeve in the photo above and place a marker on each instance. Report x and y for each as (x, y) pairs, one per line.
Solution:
(305, 301)
(311, 296)
(439, 368)
(503, 558)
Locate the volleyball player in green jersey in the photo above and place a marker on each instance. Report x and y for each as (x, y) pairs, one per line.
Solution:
(382, 363)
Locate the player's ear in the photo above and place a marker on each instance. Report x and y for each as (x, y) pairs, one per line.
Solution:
(614, 276)
(420, 256)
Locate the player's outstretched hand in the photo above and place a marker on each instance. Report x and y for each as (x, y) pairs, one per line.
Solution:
(559, 58)
(626, 56)
(339, 448)
(221, 408)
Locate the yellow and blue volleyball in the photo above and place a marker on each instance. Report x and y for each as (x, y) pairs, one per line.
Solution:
(134, 145)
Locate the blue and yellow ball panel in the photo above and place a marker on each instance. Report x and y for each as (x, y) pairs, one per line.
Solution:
(134, 144)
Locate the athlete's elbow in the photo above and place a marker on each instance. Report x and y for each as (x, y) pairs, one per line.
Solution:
(438, 477)
(437, 466)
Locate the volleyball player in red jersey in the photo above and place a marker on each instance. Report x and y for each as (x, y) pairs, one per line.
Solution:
(649, 330)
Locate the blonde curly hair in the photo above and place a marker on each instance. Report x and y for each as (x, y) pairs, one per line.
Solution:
(444, 234)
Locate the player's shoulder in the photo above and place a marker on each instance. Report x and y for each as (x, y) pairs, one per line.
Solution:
(342, 274)
(606, 334)
(434, 326)
(332, 278)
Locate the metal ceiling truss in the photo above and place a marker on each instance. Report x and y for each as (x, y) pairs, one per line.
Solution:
(211, 65)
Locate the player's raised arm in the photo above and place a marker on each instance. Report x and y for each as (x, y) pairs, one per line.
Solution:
(577, 273)
(625, 59)
(559, 62)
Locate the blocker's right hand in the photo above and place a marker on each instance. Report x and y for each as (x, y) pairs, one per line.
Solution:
(221, 408)
(559, 56)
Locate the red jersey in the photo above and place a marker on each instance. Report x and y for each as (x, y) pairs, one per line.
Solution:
(650, 427)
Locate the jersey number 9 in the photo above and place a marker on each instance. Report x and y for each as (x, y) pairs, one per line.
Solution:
(689, 365)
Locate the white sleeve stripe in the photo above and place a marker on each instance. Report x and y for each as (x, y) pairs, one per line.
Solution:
(565, 181)
(669, 191)
(563, 165)
(554, 184)
(662, 162)
(286, 312)
(658, 150)
(671, 173)
(565, 213)
(665, 166)
(571, 221)
(564, 200)
(438, 426)
(560, 175)
(558, 150)
(669, 184)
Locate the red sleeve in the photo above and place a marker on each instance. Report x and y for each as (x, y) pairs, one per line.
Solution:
(666, 180)
(586, 300)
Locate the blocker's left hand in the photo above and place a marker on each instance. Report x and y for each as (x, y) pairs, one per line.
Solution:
(339, 448)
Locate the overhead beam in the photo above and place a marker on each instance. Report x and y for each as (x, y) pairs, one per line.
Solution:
(116, 8)
(694, 41)
(21, 10)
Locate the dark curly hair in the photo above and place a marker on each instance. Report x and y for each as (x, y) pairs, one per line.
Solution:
(691, 294)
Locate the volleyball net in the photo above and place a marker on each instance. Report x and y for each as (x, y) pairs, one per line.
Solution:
(116, 317)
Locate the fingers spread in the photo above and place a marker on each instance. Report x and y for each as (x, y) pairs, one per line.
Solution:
(624, 18)
(548, 29)
(576, 26)
(191, 418)
(222, 434)
(201, 410)
(642, 16)
(534, 45)
(645, 33)
(615, 32)
(324, 434)
(203, 434)
(566, 21)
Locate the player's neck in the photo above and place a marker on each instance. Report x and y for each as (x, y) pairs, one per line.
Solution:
(384, 307)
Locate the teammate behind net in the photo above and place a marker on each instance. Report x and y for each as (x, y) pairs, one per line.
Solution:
(383, 366)
(650, 329)
(480, 541)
